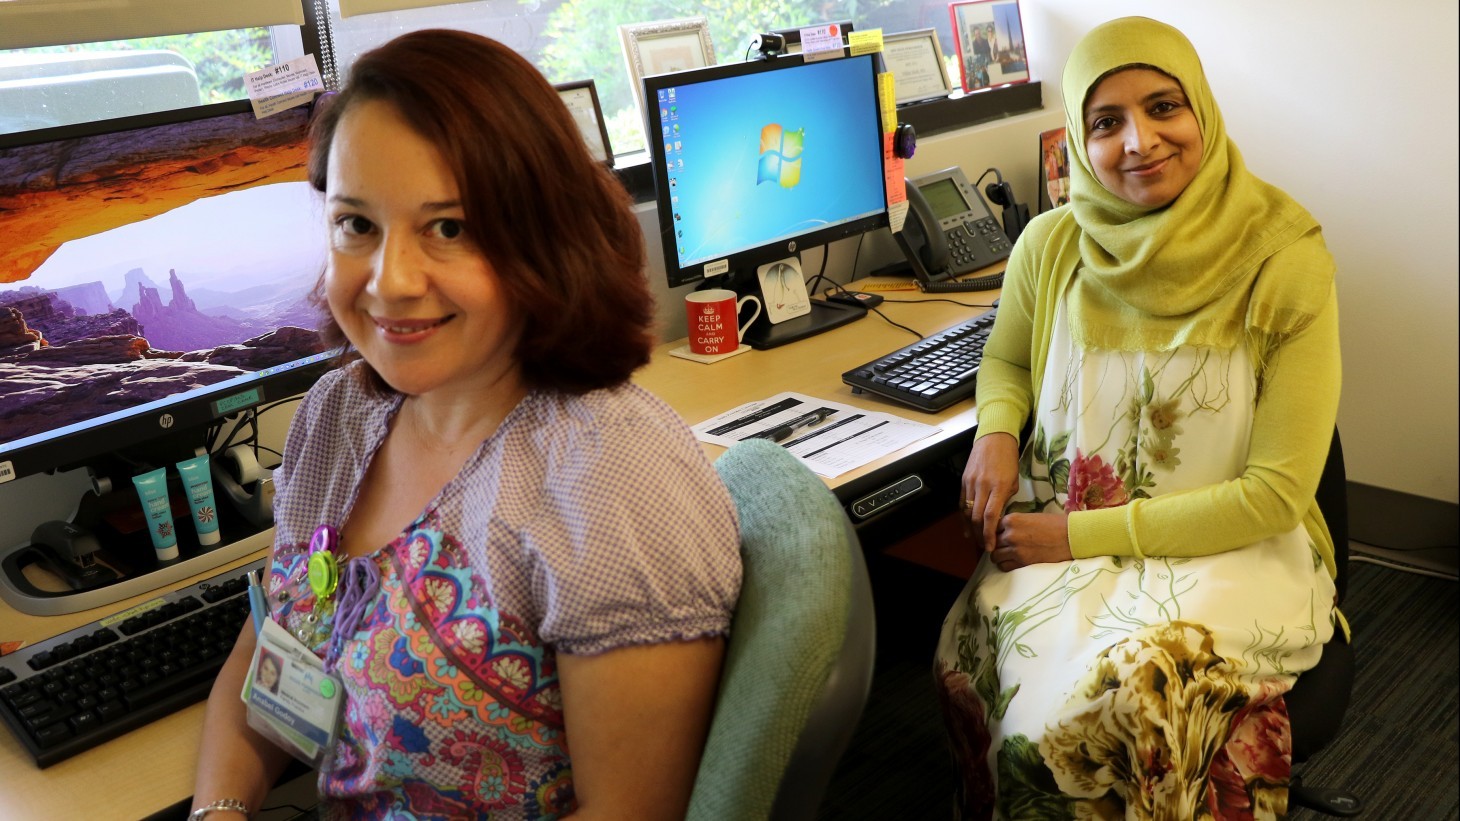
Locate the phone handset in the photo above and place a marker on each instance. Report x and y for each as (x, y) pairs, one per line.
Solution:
(925, 234)
(949, 231)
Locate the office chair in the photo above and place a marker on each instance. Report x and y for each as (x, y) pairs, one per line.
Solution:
(798, 666)
(1319, 699)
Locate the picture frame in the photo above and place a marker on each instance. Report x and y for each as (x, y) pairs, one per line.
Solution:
(664, 47)
(581, 99)
(915, 59)
(1054, 169)
(989, 35)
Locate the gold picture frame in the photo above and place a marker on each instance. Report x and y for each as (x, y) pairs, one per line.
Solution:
(664, 47)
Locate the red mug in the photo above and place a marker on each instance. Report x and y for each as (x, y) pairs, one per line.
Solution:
(712, 320)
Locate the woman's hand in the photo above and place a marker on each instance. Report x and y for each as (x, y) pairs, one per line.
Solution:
(989, 480)
(1032, 538)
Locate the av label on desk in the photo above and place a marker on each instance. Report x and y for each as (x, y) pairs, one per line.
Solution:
(828, 437)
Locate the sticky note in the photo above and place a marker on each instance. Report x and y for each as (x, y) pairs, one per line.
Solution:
(896, 215)
(887, 100)
(865, 42)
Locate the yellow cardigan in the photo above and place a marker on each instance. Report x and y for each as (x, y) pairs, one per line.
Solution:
(1292, 427)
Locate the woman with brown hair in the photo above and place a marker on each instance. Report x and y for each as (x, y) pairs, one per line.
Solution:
(534, 556)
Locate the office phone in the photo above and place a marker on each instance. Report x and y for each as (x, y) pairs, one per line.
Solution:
(949, 232)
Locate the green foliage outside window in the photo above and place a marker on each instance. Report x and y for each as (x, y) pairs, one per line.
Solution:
(219, 58)
(583, 41)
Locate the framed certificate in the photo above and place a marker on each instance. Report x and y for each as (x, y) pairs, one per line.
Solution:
(581, 98)
(916, 62)
(663, 47)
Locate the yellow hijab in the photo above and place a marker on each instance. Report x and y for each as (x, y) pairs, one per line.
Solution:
(1232, 255)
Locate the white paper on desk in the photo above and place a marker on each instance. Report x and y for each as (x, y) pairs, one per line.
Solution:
(847, 439)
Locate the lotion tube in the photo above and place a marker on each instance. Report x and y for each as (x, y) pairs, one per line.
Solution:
(198, 484)
(152, 488)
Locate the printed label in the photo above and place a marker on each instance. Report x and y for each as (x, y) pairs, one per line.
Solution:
(719, 266)
(284, 86)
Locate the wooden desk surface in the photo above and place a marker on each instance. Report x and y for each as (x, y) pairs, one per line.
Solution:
(151, 768)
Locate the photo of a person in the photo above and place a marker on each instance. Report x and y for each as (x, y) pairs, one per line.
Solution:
(990, 40)
(1055, 161)
(269, 669)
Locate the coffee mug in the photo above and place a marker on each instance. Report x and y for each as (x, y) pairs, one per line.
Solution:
(712, 319)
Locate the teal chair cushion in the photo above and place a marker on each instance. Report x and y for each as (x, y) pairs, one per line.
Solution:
(788, 631)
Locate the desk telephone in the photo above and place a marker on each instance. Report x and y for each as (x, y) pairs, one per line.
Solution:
(950, 231)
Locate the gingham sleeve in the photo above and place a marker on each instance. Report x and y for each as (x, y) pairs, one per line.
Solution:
(636, 541)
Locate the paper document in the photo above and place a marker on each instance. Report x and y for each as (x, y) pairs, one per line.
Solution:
(829, 437)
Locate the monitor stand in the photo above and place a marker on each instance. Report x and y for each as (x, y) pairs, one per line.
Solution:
(824, 316)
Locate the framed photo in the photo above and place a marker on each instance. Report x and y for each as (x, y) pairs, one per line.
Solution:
(664, 47)
(581, 98)
(916, 62)
(990, 38)
(1054, 169)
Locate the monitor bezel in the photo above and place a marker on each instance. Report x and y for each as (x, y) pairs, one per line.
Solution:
(67, 451)
(745, 260)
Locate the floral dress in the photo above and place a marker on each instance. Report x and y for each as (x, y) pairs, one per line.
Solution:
(1113, 687)
(583, 524)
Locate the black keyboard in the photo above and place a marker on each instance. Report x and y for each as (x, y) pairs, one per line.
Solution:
(931, 374)
(69, 693)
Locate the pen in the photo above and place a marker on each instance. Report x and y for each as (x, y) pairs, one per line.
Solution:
(256, 602)
(784, 432)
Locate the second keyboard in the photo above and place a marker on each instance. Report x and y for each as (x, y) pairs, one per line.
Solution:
(930, 374)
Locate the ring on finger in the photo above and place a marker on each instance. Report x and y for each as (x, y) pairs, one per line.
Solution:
(965, 504)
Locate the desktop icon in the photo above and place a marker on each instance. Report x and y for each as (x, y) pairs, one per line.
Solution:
(678, 145)
(679, 163)
(668, 147)
(676, 128)
(666, 131)
(780, 156)
(663, 113)
(663, 95)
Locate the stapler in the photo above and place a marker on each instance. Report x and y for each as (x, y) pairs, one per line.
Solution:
(69, 551)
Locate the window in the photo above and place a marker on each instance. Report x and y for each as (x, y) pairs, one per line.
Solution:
(61, 85)
(570, 40)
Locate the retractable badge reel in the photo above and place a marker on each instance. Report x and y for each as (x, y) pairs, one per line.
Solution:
(324, 564)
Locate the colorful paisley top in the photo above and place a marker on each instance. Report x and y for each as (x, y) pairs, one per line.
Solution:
(583, 524)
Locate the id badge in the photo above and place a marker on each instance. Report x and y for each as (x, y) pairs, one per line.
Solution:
(291, 700)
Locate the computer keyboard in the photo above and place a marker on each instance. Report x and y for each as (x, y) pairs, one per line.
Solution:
(930, 374)
(69, 693)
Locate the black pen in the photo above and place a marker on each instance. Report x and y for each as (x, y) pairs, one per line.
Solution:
(784, 432)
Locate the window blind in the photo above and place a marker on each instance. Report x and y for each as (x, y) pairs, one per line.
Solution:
(28, 23)
(350, 8)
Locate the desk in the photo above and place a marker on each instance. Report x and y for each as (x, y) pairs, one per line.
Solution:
(151, 768)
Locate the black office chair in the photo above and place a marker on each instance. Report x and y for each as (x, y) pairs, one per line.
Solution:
(1319, 700)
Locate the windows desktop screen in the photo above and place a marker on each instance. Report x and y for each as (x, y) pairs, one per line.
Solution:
(762, 157)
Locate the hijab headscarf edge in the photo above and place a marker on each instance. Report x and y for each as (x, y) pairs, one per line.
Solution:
(1233, 255)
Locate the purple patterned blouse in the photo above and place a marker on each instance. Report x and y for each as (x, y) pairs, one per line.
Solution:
(585, 523)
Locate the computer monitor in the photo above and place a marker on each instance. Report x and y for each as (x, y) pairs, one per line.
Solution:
(154, 278)
(755, 161)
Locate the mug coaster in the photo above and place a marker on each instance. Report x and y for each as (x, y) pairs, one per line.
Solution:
(683, 352)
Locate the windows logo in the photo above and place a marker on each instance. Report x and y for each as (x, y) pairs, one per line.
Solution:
(780, 156)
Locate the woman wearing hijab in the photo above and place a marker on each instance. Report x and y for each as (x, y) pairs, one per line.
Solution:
(1157, 571)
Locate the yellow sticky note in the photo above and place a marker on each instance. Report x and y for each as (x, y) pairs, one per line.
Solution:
(865, 42)
(887, 99)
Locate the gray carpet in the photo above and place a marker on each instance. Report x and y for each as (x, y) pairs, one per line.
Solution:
(1397, 750)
